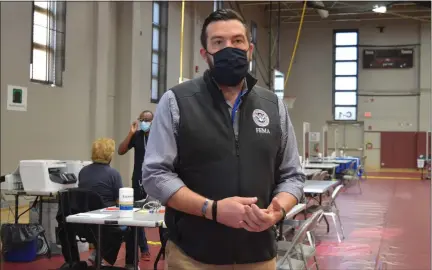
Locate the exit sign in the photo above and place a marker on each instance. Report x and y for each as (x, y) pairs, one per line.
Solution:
(367, 114)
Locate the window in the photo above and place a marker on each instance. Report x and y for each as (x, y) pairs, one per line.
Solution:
(217, 4)
(252, 63)
(345, 75)
(159, 50)
(345, 98)
(48, 42)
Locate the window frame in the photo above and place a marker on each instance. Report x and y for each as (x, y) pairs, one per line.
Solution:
(254, 34)
(161, 51)
(55, 56)
(334, 62)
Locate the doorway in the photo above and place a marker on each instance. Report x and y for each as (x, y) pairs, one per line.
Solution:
(398, 150)
(348, 137)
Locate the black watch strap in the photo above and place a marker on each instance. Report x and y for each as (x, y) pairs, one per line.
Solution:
(214, 211)
(284, 213)
(281, 222)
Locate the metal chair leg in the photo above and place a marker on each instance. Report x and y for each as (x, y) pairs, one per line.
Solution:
(327, 223)
(336, 227)
(316, 262)
(309, 237)
(341, 226)
(48, 246)
(359, 186)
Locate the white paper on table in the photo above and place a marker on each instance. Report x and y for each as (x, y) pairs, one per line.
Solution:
(117, 210)
(92, 215)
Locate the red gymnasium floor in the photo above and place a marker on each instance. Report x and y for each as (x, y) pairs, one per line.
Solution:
(387, 227)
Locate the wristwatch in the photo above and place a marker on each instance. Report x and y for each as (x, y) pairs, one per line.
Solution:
(280, 223)
(204, 208)
(283, 214)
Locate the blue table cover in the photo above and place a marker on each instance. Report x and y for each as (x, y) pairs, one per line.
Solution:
(345, 166)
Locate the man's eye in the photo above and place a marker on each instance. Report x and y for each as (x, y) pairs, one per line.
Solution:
(238, 41)
(218, 42)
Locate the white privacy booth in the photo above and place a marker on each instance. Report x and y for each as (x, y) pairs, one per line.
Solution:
(305, 151)
(314, 144)
(324, 141)
(336, 140)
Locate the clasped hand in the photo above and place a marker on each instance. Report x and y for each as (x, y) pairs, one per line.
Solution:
(238, 212)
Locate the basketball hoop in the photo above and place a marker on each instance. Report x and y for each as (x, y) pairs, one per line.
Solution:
(289, 101)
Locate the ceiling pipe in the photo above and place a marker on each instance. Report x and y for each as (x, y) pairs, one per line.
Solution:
(358, 19)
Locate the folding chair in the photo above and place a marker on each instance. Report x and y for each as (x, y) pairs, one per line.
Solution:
(331, 210)
(363, 166)
(296, 254)
(354, 178)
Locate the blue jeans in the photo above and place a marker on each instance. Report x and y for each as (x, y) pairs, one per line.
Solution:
(142, 240)
(129, 246)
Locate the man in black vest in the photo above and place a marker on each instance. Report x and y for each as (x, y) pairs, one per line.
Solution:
(223, 158)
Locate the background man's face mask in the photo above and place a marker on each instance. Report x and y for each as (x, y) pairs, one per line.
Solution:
(145, 126)
(230, 66)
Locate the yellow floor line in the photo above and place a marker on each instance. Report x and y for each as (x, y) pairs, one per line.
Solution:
(12, 206)
(394, 170)
(394, 178)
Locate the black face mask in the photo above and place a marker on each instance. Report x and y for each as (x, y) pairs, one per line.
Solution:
(230, 66)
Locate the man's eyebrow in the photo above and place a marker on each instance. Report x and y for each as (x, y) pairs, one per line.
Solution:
(239, 36)
(221, 37)
(216, 37)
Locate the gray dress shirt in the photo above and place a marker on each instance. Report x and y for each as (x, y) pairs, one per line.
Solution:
(159, 177)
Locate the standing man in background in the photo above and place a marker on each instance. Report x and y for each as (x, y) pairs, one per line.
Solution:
(137, 138)
(223, 158)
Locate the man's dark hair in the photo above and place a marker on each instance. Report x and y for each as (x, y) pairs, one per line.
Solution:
(222, 15)
(147, 111)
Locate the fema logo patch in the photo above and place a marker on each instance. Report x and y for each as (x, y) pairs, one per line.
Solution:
(260, 118)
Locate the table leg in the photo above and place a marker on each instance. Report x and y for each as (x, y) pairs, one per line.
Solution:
(135, 236)
(16, 208)
(98, 248)
(161, 253)
(40, 210)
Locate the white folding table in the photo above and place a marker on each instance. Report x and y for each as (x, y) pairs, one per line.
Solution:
(318, 186)
(310, 172)
(40, 194)
(322, 166)
(337, 161)
(103, 217)
(295, 210)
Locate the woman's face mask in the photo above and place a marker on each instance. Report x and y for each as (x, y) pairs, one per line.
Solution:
(230, 66)
(145, 126)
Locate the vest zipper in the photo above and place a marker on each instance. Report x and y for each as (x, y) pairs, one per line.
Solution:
(237, 149)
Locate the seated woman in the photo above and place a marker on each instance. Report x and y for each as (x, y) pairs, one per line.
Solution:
(105, 181)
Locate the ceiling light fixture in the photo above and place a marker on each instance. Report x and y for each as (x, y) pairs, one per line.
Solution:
(379, 9)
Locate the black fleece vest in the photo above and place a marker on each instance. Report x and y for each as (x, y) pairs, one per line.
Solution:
(212, 163)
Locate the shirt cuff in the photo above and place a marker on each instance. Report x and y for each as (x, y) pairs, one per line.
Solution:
(291, 186)
(169, 188)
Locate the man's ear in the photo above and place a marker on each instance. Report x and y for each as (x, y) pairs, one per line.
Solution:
(203, 53)
(251, 50)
